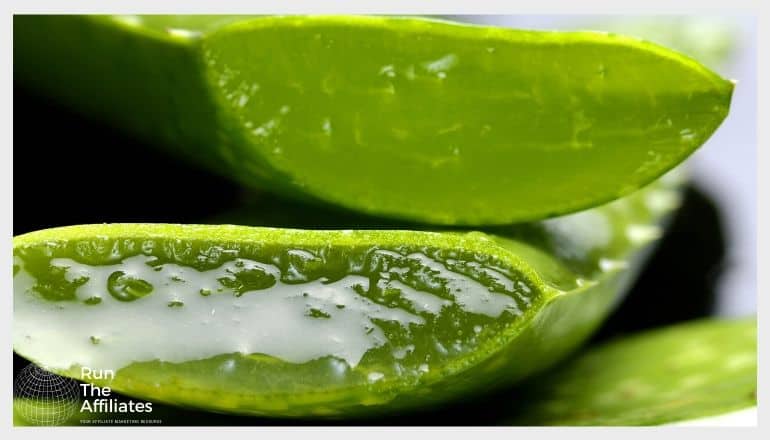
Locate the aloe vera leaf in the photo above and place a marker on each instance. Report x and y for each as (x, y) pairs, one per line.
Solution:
(680, 372)
(409, 118)
(290, 322)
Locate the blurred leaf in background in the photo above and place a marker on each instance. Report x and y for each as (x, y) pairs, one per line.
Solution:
(707, 39)
(681, 372)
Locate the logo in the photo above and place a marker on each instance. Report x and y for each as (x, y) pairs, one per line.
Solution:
(101, 399)
(43, 398)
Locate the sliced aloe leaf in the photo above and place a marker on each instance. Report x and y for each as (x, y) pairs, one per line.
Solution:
(682, 372)
(409, 118)
(291, 322)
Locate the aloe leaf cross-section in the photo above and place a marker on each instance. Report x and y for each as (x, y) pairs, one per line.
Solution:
(407, 118)
(292, 322)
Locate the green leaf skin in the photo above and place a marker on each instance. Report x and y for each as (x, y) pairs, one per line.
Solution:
(409, 118)
(333, 323)
(682, 372)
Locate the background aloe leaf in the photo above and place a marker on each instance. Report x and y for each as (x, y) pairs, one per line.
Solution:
(681, 372)
(349, 110)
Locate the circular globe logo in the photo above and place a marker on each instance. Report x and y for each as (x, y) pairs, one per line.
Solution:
(45, 399)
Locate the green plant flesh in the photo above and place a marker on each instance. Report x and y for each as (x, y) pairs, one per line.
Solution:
(291, 322)
(682, 372)
(409, 118)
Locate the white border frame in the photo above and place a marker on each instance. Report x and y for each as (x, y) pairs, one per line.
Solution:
(400, 7)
